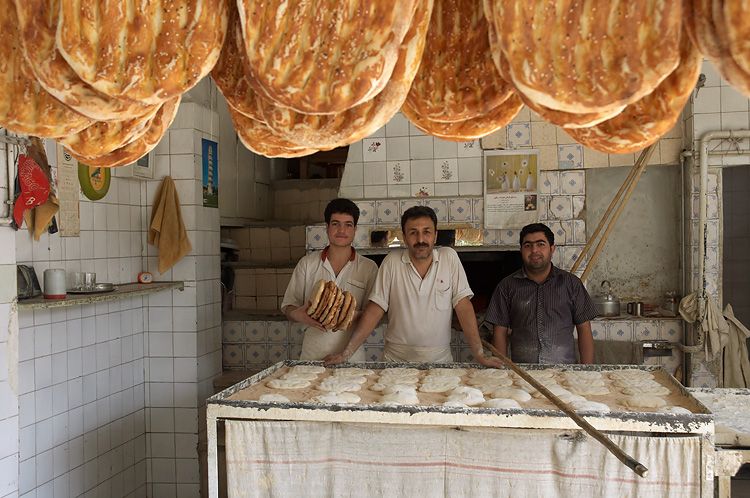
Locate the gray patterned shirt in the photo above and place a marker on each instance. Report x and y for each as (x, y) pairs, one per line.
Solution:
(541, 316)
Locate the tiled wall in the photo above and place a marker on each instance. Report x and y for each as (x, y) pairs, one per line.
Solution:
(255, 243)
(9, 416)
(81, 370)
(302, 200)
(400, 161)
(184, 338)
(260, 288)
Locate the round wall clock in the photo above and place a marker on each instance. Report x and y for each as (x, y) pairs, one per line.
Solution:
(94, 181)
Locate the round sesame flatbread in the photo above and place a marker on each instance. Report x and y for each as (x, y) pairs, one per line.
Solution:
(317, 292)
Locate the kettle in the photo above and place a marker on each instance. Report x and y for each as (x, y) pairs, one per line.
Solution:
(608, 304)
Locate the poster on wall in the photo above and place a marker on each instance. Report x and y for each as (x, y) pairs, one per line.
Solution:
(67, 193)
(210, 173)
(510, 188)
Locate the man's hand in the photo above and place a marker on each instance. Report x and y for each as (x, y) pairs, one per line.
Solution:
(334, 359)
(300, 315)
(489, 361)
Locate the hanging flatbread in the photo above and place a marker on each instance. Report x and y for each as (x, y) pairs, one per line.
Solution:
(331, 131)
(103, 137)
(37, 21)
(469, 129)
(149, 52)
(457, 79)
(260, 139)
(549, 45)
(317, 292)
(25, 107)
(643, 122)
(323, 57)
(140, 147)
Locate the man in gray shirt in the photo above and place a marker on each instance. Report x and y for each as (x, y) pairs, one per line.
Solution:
(539, 305)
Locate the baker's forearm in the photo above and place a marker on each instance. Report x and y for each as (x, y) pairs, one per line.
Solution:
(468, 320)
(368, 320)
(500, 339)
(585, 343)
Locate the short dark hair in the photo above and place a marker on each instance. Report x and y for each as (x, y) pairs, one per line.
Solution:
(537, 227)
(418, 212)
(343, 206)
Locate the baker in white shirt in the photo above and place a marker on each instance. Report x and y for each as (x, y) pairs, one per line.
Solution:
(338, 262)
(419, 288)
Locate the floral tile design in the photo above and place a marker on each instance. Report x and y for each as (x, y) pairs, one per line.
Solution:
(277, 353)
(440, 206)
(460, 210)
(519, 135)
(549, 182)
(446, 170)
(278, 332)
(316, 237)
(620, 331)
(572, 182)
(398, 172)
(561, 207)
(646, 329)
(569, 156)
(374, 149)
(256, 353)
(233, 331)
(469, 149)
(256, 331)
(388, 212)
(367, 212)
(232, 355)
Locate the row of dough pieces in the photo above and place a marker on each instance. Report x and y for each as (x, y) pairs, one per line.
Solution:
(399, 386)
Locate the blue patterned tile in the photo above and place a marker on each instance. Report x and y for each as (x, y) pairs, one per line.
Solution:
(232, 355)
(460, 210)
(570, 156)
(519, 135)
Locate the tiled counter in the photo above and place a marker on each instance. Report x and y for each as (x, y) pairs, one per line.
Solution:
(255, 342)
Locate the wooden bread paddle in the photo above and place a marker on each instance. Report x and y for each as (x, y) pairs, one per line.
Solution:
(632, 463)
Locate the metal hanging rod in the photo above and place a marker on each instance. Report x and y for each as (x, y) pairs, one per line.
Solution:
(14, 140)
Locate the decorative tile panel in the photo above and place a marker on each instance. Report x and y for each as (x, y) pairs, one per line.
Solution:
(579, 204)
(278, 332)
(440, 206)
(469, 149)
(232, 355)
(375, 337)
(560, 207)
(374, 149)
(549, 182)
(572, 182)
(646, 329)
(373, 353)
(388, 212)
(423, 190)
(277, 352)
(477, 210)
(256, 353)
(399, 172)
(510, 237)
(367, 212)
(233, 332)
(316, 237)
(519, 135)
(446, 170)
(296, 333)
(460, 210)
(256, 331)
(620, 330)
(670, 330)
(570, 156)
(599, 329)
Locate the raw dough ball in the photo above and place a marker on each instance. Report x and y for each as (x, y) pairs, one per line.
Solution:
(657, 390)
(466, 395)
(400, 395)
(340, 397)
(489, 373)
(630, 374)
(288, 383)
(511, 393)
(643, 401)
(590, 406)
(351, 372)
(274, 398)
(589, 389)
(299, 376)
(449, 372)
(490, 383)
(503, 403)
(635, 382)
(341, 384)
(439, 384)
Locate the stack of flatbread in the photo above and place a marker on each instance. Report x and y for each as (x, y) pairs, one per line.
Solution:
(104, 80)
(306, 76)
(331, 306)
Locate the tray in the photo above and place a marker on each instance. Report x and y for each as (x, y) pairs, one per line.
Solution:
(98, 288)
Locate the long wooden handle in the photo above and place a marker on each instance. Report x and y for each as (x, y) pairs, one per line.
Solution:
(631, 462)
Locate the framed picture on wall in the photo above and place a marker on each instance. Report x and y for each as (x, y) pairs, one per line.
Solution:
(144, 167)
(510, 188)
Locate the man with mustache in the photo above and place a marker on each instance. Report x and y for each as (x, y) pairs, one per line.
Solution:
(419, 288)
(539, 305)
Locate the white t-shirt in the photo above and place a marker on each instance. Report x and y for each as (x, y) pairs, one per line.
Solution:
(357, 277)
(420, 310)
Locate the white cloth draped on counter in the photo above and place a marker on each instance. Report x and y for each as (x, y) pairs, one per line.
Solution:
(311, 459)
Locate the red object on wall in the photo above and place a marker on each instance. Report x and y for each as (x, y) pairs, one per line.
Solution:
(34, 187)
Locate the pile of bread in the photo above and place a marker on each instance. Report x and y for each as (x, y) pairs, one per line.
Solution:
(301, 76)
(330, 306)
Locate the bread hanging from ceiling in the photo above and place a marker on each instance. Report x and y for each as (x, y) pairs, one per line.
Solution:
(149, 52)
(583, 56)
(38, 21)
(324, 56)
(25, 107)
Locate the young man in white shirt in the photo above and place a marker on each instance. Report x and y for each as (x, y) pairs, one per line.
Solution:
(338, 262)
(419, 288)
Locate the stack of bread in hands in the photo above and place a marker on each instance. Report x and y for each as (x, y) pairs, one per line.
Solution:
(331, 306)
